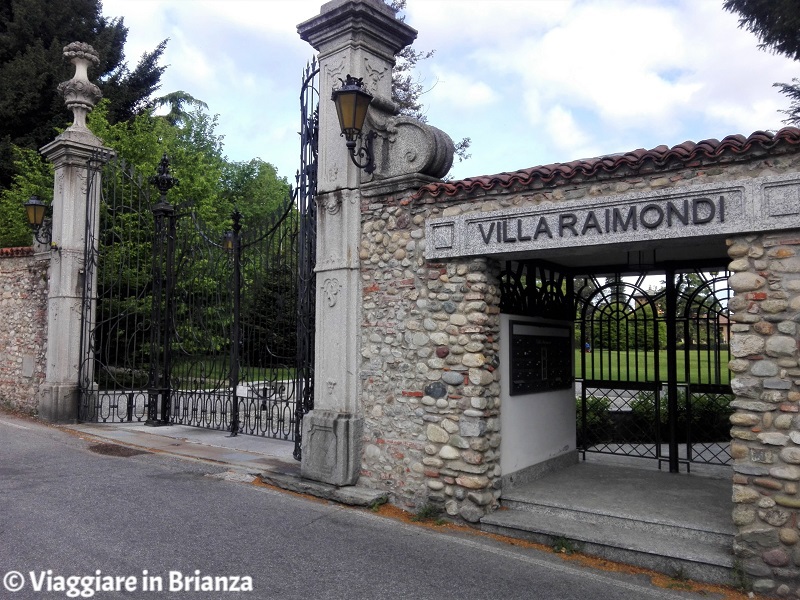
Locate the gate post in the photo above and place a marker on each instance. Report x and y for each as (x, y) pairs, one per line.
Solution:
(765, 432)
(358, 38)
(70, 153)
(159, 391)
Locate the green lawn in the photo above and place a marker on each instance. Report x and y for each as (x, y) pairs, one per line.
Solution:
(203, 372)
(637, 366)
(218, 368)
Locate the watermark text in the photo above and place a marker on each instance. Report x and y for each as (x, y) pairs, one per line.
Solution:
(87, 586)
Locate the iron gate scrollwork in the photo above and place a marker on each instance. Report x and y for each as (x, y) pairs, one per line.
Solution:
(305, 195)
(116, 313)
(652, 372)
(182, 325)
(650, 355)
(233, 326)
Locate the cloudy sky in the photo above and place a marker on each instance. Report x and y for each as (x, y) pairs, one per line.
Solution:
(531, 82)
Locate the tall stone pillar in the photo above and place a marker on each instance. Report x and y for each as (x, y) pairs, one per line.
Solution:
(70, 153)
(358, 38)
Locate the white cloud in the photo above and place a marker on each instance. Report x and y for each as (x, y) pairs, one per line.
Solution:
(449, 22)
(608, 59)
(565, 133)
(554, 80)
(459, 91)
(272, 16)
(193, 62)
(533, 105)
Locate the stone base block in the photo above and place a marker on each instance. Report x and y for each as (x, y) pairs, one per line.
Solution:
(58, 403)
(539, 470)
(332, 447)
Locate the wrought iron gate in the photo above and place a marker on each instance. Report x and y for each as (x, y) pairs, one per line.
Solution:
(182, 325)
(651, 356)
(652, 373)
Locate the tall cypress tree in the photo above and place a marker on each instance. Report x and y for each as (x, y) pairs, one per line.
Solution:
(32, 36)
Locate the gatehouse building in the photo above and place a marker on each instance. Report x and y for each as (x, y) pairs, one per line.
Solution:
(603, 347)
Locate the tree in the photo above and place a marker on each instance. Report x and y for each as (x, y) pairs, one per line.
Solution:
(177, 101)
(254, 188)
(34, 177)
(129, 91)
(32, 36)
(406, 89)
(777, 24)
(791, 91)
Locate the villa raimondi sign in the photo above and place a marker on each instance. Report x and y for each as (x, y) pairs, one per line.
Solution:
(769, 203)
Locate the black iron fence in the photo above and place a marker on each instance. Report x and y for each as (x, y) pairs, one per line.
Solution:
(183, 328)
(184, 323)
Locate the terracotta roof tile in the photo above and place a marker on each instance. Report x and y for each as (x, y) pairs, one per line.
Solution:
(16, 252)
(661, 157)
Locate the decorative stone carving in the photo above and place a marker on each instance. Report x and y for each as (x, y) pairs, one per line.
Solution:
(70, 154)
(330, 290)
(330, 203)
(332, 447)
(407, 146)
(333, 71)
(781, 199)
(374, 73)
(80, 94)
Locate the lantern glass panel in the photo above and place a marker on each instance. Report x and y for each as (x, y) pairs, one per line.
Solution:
(35, 210)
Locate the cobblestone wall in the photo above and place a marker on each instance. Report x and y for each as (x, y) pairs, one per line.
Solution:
(766, 425)
(430, 352)
(23, 326)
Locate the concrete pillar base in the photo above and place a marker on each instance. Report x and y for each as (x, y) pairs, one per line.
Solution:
(332, 447)
(58, 402)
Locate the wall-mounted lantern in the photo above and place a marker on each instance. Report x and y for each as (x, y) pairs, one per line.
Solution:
(352, 102)
(37, 213)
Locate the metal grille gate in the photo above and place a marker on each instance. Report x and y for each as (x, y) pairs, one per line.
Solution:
(184, 326)
(651, 355)
(652, 373)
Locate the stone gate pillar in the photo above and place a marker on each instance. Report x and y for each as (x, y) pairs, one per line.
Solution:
(765, 429)
(359, 38)
(70, 153)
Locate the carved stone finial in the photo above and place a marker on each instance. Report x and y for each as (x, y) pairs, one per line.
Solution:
(80, 94)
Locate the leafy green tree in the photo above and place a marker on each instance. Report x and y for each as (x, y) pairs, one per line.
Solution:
(255, 189)
(32, 36)
(34, 177)
(791, 91)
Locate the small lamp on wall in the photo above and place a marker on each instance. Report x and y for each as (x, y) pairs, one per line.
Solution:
(41, 225)
(352, 102)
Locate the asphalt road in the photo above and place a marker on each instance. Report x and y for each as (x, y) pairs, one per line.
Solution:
(68, 511)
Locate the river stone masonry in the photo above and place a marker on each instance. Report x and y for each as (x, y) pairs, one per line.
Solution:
(429, 367)
(766, 425)
(430, 351)
(23, 326)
